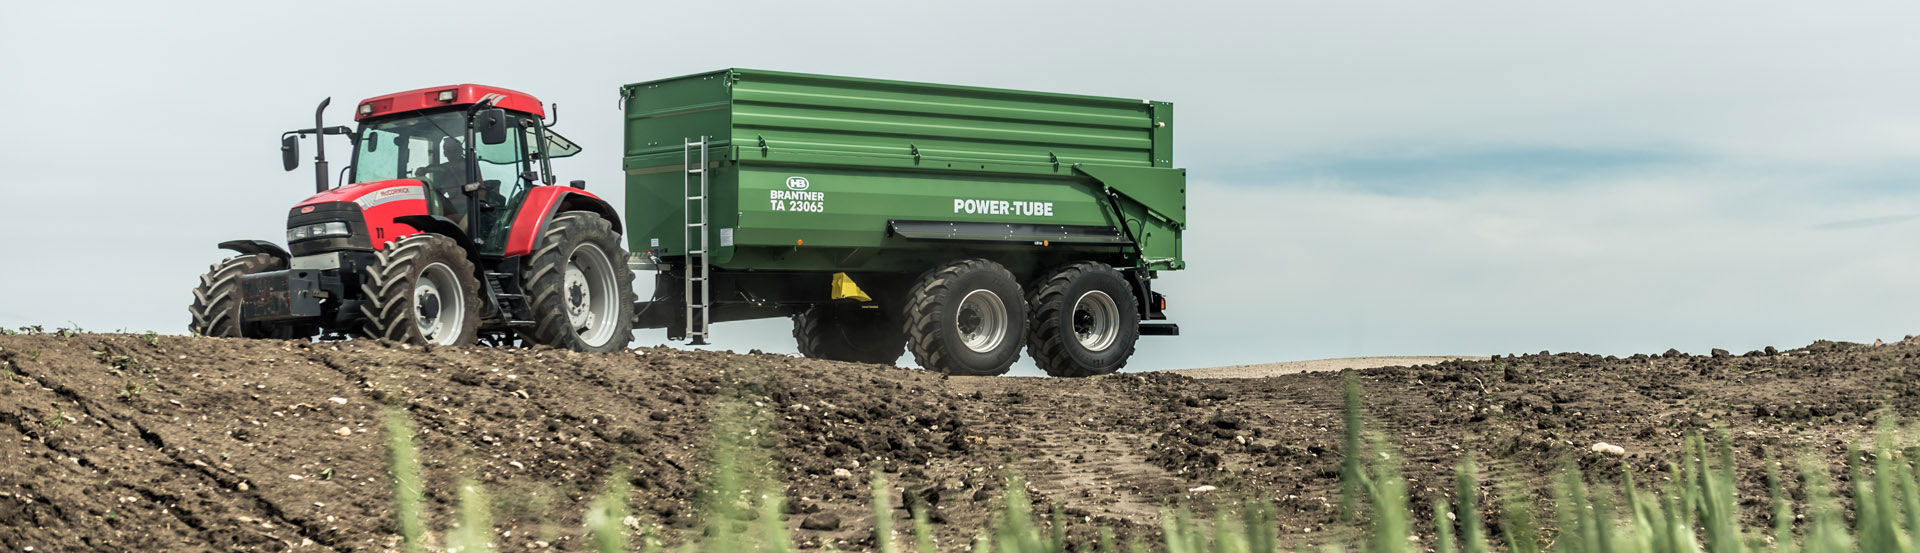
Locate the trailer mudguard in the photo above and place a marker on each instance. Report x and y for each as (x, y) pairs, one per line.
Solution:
(1162, 191)
(1152, 204)
(539, 207)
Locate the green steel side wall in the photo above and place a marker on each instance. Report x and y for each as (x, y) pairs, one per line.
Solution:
(856, 140)
(863, 117)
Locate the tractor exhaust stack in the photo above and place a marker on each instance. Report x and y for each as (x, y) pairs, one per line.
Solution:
(320, 147)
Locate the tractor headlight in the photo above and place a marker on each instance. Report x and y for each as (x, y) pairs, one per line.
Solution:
(319, 230)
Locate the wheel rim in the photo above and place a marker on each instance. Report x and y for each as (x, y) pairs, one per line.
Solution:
(588, 292)
(438, 304)
(981, 320)
(1096, 320)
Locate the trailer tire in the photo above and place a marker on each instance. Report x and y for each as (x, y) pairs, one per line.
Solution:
(216, 301)
(1084, 321)
(413, 276)
(966, 318)
(849, 332)
(579, 287)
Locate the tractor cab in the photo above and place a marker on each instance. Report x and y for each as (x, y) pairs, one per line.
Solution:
(477, 151)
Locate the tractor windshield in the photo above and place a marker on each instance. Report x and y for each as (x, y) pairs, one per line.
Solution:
(427, 147)
(432, 147)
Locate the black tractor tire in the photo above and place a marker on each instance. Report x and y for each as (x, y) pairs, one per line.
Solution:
(391, 285)
(936, 306)
(849, 332)
(562, 304)
(1086, 299)
(216, 301)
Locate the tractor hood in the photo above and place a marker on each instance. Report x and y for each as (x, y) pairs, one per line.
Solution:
(368, 194)
(367, 209)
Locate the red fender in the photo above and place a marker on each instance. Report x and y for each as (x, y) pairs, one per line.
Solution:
(539, 207)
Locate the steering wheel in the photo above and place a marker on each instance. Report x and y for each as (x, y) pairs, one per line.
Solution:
(442, 192)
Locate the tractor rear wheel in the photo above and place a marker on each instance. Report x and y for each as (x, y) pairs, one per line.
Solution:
(216, 301)
(421, 290)
(849, 332)
(1084, 321)
(580, 288)
(966, 318)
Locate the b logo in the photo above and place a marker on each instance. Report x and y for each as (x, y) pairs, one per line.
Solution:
(797, 183)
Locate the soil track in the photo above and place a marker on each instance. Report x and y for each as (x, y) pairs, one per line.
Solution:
(1264, 370)
(123, 442)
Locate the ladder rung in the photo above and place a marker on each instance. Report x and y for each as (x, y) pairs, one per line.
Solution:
(699, 306)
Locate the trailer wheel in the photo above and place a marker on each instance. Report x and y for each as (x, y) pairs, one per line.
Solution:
(849, 332)
(580, 288)
(966, 318)
(216, 301)
(421, 290)
(1084, 322)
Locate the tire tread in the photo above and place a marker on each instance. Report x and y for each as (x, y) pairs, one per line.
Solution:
(1046, 341)
(387, 286)
(216, 301)
(824, 332)
(923, 324)
(546, 276)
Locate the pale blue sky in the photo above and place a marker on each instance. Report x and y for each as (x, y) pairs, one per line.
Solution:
(1367, 178)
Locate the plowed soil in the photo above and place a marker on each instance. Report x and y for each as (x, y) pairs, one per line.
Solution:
(122, 442)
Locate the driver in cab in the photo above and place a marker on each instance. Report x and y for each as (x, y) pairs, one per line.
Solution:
(445, 179)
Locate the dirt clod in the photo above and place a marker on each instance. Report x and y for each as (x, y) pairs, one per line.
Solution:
(823, 522)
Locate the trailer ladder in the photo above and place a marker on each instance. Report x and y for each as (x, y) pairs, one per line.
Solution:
(697, 291)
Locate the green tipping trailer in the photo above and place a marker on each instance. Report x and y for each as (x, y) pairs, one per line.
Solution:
(958, 222)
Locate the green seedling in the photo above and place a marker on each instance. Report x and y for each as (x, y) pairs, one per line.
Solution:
(58, 419)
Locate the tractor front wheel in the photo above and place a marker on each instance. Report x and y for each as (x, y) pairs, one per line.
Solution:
(581, 289)
(421, 290)
(216, 301)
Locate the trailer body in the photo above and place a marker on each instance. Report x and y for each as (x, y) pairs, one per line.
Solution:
(815, 173)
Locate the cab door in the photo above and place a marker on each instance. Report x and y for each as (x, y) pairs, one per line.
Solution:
(502, 191)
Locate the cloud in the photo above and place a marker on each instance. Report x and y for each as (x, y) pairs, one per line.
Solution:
(1867, 222)
(1402, 171)
(1613, 265)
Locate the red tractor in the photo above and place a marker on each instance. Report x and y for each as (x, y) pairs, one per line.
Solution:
(447, 228)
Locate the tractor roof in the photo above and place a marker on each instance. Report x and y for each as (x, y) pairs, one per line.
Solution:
(449, 95)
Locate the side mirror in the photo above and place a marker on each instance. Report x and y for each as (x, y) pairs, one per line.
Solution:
(290, 151)
(491, 123)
